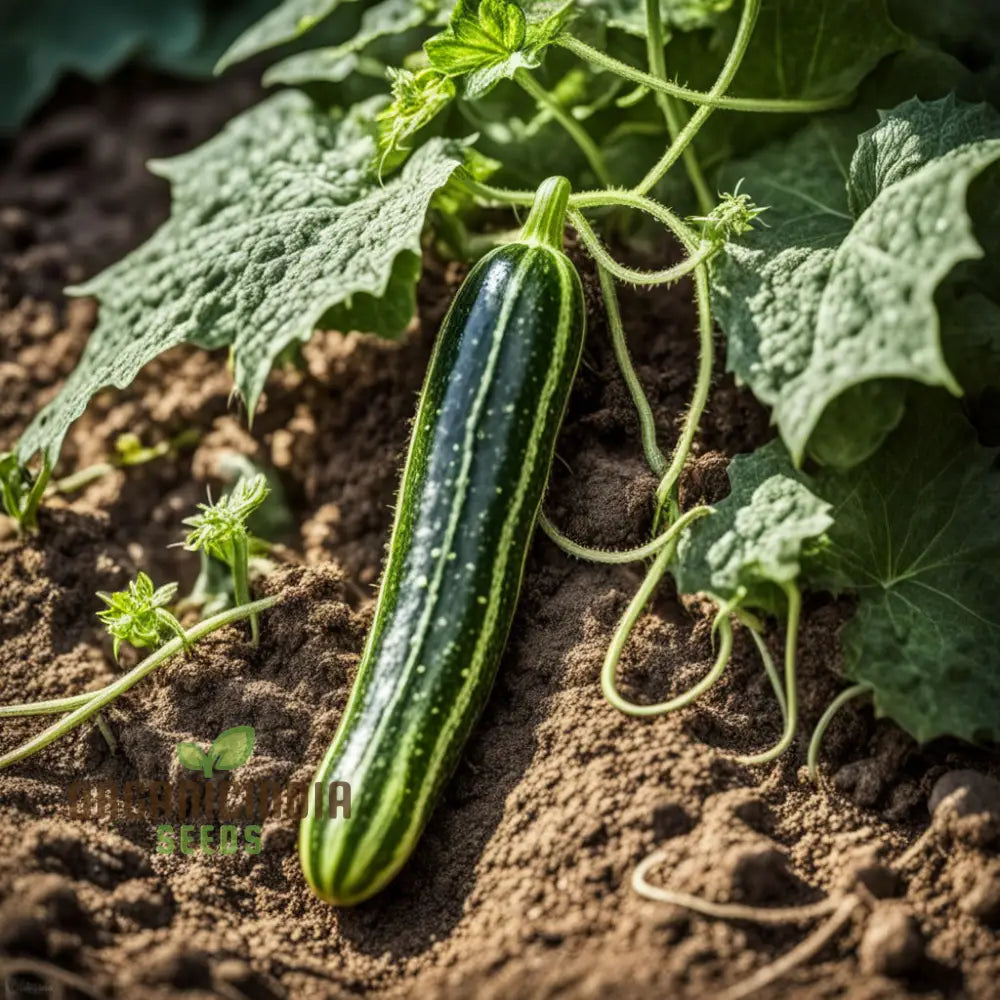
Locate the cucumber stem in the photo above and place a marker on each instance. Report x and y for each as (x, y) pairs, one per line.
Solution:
(547, 217)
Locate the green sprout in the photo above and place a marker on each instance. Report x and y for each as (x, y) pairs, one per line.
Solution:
(138, 615)
(733, 216)
(20, 491)
(417, 97)
(221, 531)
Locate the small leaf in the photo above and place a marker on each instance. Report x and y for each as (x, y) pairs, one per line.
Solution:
(493, 42)
(191, 756)
(753, 542)
(233, 748)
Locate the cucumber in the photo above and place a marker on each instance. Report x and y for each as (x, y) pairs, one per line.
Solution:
(477, 466)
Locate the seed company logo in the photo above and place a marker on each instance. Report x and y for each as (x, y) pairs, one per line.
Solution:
(231, 812)
(231, 750)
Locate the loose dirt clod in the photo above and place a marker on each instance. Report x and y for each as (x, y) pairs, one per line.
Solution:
(982, 900)
(966, 806)
(892, 944)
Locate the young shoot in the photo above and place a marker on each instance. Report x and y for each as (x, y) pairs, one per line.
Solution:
(220, 529)
(138, 615)
(733, 216)
(21, 492)
(81, 708)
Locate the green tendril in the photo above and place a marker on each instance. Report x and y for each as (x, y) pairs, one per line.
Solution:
(794, 598)
(816, 742)
(666, 276)
(665, 492)
(624, 629)
(622, 556)
(673, 115)
(685, 136)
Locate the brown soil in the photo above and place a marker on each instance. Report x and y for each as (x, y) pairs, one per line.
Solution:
(521, 885)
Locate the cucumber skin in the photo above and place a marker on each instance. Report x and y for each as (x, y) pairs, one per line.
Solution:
(479, 458)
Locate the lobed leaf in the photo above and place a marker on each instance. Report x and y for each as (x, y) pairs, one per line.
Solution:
(492, 41)
(838, 292)
(753, 541)
(917, 537)
(276, 221)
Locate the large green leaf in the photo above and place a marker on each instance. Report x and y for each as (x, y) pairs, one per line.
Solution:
(276, 221)
(916, 535)
(838, 291)
(813, 48)
(753, 541)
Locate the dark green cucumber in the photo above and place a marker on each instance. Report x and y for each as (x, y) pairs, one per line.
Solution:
(477, 467)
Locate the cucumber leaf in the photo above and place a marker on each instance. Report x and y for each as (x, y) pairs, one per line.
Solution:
(335, 63)
(277, 220)
(286, 23)
(630, 15)
(753, 542)
(491, 41)
(916, 535)
(813, 48)
(839, 290)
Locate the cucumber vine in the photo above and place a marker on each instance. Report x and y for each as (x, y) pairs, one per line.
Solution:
(850, 334)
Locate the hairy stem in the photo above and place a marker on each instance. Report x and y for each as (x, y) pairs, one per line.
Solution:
(99, 699)
(621, 556)
(794, 598)
(669, 108)
(240, 567)
(490, 195)
(688, 237)
(816, 742)
(702, 387)
(572, 127)
(647, 425)
(709, 99)
(751, 8)
(627, 274)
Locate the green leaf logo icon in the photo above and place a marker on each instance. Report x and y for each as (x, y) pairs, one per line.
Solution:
(232, 749)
